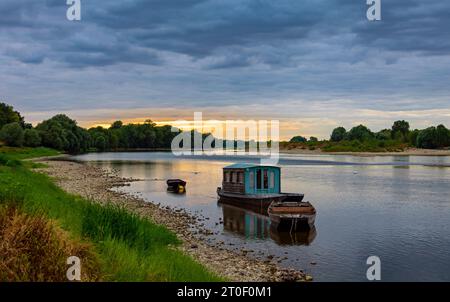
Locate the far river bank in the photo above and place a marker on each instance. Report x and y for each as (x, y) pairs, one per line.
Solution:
(407, 152)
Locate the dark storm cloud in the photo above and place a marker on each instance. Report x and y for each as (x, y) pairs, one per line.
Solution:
(421, 26)
(211, 52)
(202, 28)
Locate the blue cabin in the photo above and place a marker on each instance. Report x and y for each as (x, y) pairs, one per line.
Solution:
(251, 179)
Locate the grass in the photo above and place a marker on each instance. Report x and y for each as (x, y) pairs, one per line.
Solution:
(348, 146)
(35, 248)
(129, 248)
(13, 156)
(25, 152)
(365, 146)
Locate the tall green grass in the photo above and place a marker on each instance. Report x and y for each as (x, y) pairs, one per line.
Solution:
(130, 248)
(25, 152)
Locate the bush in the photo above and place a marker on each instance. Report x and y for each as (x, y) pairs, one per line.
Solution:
(400, 130)
(62, 133)
(427, 138)
(384, 135)
(338, 134)
(33, 248)
(434, 137)
(12, 134)
(360, 133)
(298, 139)
(31, 138)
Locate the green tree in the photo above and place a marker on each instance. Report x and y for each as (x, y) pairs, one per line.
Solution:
(400, 129)
(442, 136)
(298, 139)
(360, 133)
(116, 125)
(9, 115)
(100, 143)
(62, 133)
(338, 134)
(313, 139)
(113, 140)
(427, 138)
(384, 135)
(412, 137)
(12, 134)
(31, 138)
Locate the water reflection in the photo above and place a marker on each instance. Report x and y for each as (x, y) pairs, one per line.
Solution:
(252, 225)
(395, 208)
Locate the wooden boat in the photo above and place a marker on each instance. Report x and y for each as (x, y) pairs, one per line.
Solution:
(176, 185)
(301, 237)
(292, 216)
(257, 226)
(253, 186)
(256, 202)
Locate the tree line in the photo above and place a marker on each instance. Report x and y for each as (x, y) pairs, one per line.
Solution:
(400, 132)
(62, 133)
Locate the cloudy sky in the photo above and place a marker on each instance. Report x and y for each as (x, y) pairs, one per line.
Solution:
(312, 64)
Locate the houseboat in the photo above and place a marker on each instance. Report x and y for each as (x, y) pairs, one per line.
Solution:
(258, 188)
(253, 186)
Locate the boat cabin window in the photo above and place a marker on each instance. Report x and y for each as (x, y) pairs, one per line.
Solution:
(262, 179)
(266, 179)
(258, 179)
(226, 176)
(252, 180)
(272, 179)
(234, 178)
(240, 177)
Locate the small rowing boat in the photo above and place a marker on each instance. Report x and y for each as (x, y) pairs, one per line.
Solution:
(292, 216)
(176, 185)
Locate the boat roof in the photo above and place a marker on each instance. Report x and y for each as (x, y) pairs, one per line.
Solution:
(247, 165)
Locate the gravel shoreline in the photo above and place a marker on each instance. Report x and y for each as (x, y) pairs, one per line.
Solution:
(95, 184)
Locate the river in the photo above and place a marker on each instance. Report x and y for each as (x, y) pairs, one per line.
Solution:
(393, 207)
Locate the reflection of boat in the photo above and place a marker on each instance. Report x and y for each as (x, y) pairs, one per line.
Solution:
(245, 223)
(176, 185)
(254, 186)
(292, 216)
(258, 226)
(305, 237)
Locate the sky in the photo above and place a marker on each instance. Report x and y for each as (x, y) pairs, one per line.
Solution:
(311, 64)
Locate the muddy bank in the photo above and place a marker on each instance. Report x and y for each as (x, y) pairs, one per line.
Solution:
(95, 184)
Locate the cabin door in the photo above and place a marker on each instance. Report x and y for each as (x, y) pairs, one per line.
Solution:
(262, 180)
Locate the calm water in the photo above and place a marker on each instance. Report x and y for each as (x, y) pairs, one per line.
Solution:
(397, 208)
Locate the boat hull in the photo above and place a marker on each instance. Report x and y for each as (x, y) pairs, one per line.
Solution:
(258, 203)
(294, 222)
(292, 216)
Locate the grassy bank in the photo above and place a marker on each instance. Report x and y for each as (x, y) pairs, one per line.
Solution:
(347, 146)
(24, 153)
(125, 247)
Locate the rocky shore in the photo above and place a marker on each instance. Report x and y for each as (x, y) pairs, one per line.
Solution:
(95, 184)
